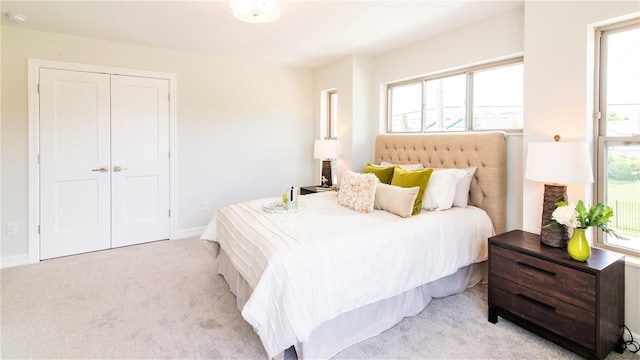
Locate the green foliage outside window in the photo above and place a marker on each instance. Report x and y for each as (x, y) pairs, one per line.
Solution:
(624, 168)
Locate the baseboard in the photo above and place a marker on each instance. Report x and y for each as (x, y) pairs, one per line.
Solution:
(14, 260)
(23, 259)
(187, 233)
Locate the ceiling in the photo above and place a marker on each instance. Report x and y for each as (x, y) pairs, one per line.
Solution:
(308, 34)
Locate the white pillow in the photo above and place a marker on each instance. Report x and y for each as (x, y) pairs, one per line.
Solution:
(396, 199)
(357, 191)
(404, 166)
(462, 188)
(441, 189)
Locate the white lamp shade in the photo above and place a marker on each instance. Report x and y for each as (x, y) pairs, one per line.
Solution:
(255, 11)
(325, 149)
(561, 162)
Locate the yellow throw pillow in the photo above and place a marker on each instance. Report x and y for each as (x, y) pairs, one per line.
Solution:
(411, 178)
(404, 166)
(384, 173)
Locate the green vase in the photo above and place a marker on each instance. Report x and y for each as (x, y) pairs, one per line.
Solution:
(578, 246)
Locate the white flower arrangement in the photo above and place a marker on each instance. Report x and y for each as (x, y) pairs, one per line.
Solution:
(577, 216)
(566, 215)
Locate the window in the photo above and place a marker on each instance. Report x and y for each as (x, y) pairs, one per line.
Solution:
(332, 113)
(491, 96)
(498, 98)
(406, 108)
(444, 103)
(618, 132)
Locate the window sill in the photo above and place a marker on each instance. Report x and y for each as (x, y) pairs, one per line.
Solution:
(632, 261)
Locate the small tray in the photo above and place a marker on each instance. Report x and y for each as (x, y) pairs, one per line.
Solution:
(279, 207)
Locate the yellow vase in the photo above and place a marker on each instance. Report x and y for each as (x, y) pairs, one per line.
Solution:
(578, 246)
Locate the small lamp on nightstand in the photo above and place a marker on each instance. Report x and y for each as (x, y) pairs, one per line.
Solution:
(326, 150)
(557, 163)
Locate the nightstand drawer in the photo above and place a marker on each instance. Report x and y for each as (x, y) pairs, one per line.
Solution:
(569, 285)
(558, 316)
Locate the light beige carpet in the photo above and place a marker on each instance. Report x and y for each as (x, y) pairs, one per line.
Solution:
(163, 300)
(157, 300)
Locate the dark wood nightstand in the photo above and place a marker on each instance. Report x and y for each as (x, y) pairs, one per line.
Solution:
(305, 190)
(578, 305)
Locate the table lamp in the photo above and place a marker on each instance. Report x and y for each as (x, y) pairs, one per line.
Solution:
(556, 164)
(326, 150)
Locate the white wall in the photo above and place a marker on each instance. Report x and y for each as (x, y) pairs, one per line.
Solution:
(337, 75)
(237, 122)
(351, 77)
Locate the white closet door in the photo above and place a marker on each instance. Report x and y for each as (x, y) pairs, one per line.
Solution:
(74, 162)
(139, 159)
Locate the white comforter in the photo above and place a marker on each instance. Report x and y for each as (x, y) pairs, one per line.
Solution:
(307, 267)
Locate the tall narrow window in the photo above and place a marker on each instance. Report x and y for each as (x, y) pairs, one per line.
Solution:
(618, 132)
(332, 113)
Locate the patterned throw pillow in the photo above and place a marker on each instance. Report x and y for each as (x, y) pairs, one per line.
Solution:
(358, 191)
(404, 166)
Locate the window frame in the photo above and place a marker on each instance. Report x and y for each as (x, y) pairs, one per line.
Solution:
(467, 72)
(600, 124)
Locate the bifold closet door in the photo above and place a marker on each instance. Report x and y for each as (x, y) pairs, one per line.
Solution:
(140, 159)
(104, 161)
(75, 188)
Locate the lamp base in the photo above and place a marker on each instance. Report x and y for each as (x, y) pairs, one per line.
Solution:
(556, 235)
(326, 173)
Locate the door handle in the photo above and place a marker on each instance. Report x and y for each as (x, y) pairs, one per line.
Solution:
(118, 168)
(101, 169)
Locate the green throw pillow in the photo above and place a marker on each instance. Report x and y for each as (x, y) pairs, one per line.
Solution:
(411, 178)
(384, 173)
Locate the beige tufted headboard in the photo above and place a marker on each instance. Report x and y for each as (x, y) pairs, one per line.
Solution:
(485, 150)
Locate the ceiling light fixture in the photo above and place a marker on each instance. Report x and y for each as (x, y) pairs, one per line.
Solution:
(255, 11)
(17, 18)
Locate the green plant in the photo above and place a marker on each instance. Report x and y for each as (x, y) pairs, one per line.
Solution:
(580, 218)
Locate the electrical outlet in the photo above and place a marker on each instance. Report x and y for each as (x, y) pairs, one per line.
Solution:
(205, 206)
(12, 229)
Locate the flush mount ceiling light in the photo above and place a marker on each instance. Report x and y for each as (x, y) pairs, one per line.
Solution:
(255, 11)
(17, 18)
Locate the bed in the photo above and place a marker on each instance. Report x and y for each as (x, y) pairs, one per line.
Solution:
(326, 277)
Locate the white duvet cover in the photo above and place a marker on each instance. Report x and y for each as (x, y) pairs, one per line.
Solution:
(307, 267)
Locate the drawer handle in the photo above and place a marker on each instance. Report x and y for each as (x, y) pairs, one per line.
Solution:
(534, 301)
(536, 269)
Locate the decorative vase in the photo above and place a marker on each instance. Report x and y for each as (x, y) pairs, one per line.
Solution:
(578, 246)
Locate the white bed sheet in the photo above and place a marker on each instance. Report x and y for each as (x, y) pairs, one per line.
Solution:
(311, 266)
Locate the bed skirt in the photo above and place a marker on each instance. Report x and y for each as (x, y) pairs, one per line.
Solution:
(354, 326)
